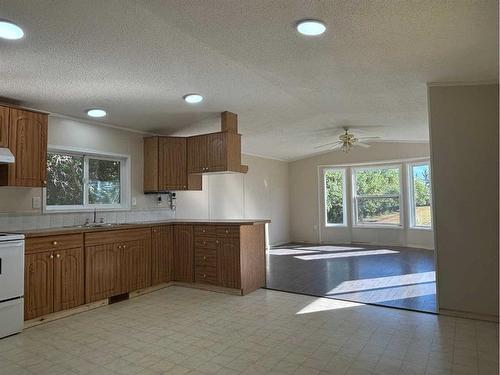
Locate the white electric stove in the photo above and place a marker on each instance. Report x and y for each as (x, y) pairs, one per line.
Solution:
(11, 283)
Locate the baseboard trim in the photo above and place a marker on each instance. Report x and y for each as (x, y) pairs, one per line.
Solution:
(208, 287)
(469, 315)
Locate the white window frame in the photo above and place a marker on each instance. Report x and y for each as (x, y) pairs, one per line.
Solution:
(344, 197)
(125, 181)
(354, 203)
(411, 195)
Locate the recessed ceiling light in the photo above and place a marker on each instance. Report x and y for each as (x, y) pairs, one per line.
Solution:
(311, 27)
(193, 98)
(96, 112)
(9, 30)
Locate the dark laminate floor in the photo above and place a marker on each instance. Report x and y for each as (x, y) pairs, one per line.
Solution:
(383, 275)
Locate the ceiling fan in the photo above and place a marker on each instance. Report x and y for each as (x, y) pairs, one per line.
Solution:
(347, 141)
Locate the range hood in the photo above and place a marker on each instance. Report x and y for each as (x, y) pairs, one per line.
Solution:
(6, 156)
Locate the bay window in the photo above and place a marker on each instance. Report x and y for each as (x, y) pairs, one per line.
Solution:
(377, 196)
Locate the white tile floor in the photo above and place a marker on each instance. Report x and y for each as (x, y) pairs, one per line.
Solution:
(185, 331)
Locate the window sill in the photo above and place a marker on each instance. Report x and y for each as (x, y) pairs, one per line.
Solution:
(83, 210)
(335, 225)
(425, 229)
(377, 226)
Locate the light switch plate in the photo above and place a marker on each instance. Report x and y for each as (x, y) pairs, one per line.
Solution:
(134, 201)
(36, 202)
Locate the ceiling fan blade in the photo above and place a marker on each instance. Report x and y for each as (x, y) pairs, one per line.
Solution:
(361, 144)
(328, 144)
(369, 138)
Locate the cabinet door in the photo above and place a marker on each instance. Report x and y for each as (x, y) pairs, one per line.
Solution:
(229, 262)
(183, 253)
(68, 279)
(197, 154)
(216, 152)
(151, 164)
(102, 272)
(136, 265)
(28, 143)
(4, 126)
(172, 166)
(161, 255)
(38, 285)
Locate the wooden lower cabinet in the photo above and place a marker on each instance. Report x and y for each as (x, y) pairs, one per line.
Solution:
(65, 271)
(183, 253)
(136, 269)
(161, 254)
(102, 272)
(229, 262)
(116, 262)
(38, 284)
(53, 276)
(69, 279)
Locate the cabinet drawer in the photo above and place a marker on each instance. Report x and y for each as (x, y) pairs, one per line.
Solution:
(205, 243)
(205, 275)
(204, 230)
(65, 241)
(205, 257)
(233, 231)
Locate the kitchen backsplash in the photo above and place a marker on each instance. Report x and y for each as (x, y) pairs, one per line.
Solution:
(12, 221)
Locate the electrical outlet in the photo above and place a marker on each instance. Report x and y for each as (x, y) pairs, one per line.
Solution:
(36, 202)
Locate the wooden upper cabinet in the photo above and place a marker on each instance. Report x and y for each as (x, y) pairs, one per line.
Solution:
(4, 126)
(151, 164)
(172, 164)
(27, 134)
(183, 253)
(215, 152)
(165, 165)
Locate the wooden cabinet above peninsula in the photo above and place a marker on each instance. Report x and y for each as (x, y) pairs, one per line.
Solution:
(177, 163)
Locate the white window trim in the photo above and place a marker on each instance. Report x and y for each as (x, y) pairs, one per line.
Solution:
(354, 203)
(125, 181)
(411, 195)
(344, 197)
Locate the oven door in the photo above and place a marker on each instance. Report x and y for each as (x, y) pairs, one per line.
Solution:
(11, 269)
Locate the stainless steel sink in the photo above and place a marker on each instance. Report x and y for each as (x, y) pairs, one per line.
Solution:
(95, 225)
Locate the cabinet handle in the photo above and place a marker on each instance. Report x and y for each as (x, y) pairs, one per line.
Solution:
(58, 256)
(154, 230)
(44, 182)
(54, 242)
(124, 246)
(217, 242)
(204, 275)
(119, 246)
(227, 231)
(204, 258)
(51, 256)
(204, 242)
(203, 230)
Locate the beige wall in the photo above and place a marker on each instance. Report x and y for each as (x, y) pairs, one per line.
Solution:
(261, 193)
(305, 223)
(464, 148)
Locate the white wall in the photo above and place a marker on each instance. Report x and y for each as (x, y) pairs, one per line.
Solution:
(262, 193)
(464, 149)
(306, 198)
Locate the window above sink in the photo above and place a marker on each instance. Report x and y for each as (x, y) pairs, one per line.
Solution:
(82, 180)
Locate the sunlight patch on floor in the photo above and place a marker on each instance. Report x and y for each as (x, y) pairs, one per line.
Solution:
(325, 304)
(383, 282)
(390, 294)
(346, 255)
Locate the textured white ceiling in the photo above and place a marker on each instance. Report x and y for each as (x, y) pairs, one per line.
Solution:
(137, 59)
